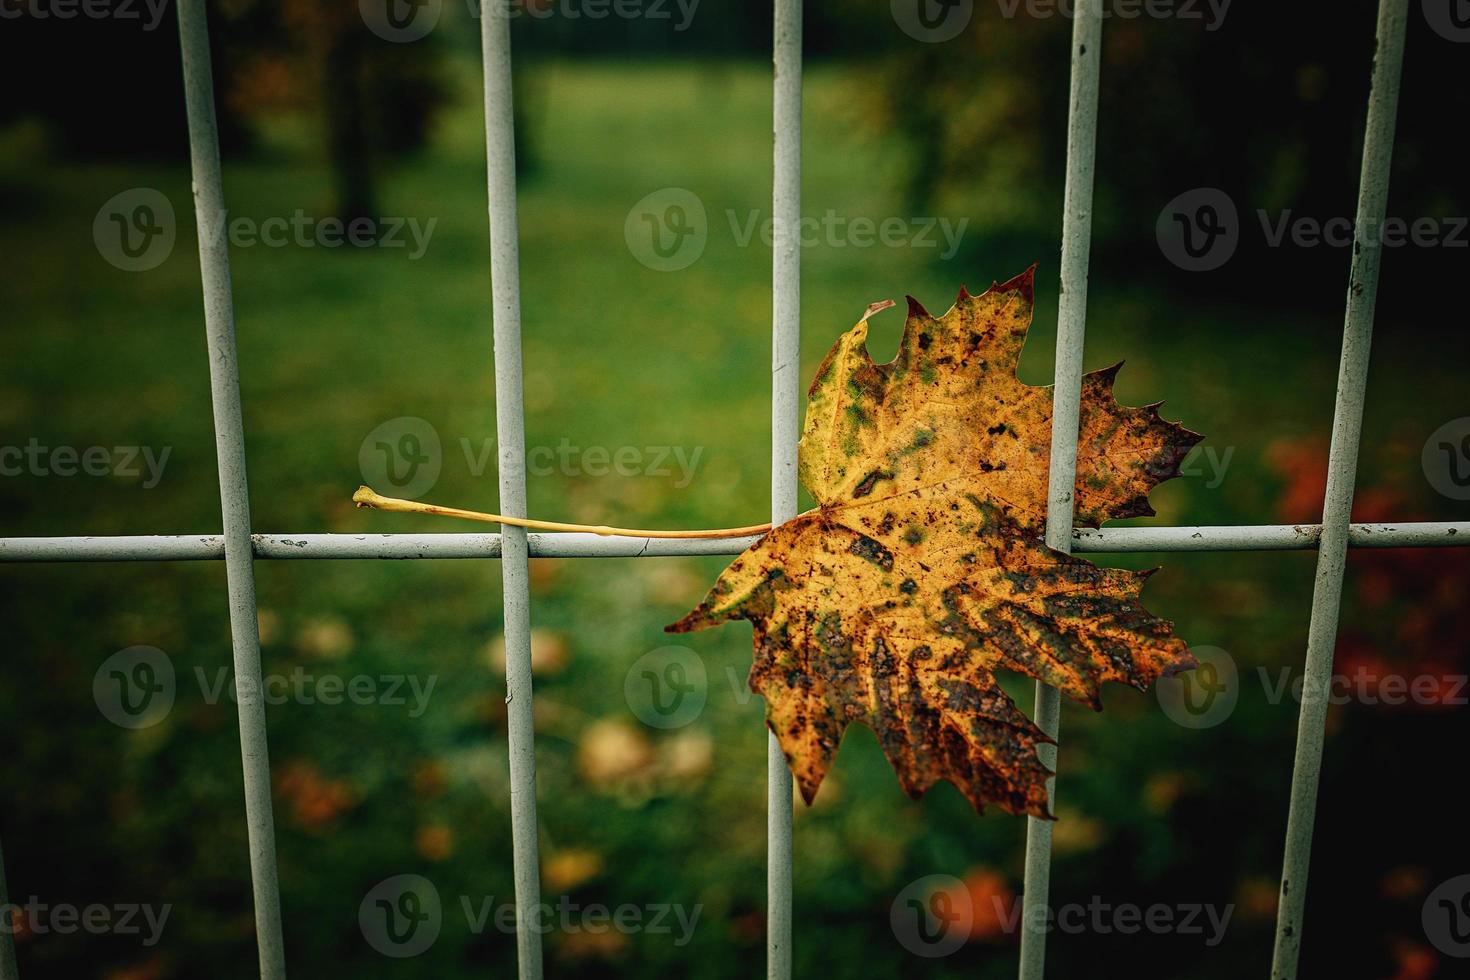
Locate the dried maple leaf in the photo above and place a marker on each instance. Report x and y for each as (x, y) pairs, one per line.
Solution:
(923, 568)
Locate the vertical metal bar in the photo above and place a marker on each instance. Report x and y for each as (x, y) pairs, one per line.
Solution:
(505, 286)
(785, 430)
(8, 969)
(1066, 406)
(1342, 467)
(229, 438)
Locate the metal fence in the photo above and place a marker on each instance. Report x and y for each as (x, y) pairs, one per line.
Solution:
(239, 548)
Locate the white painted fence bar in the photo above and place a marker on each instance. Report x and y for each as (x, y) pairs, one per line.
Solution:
(1066, 408)
(229, 439)
(1266, 537)
(288, 547)
(505, 285)
(785, 429)
(1342, 469)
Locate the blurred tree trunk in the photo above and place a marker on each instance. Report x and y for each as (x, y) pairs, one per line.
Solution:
(336, 46)
(349, 145)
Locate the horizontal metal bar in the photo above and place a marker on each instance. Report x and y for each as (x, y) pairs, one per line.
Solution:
(1265, 537)
(208, 547)
(122, 547)
(1115, 540)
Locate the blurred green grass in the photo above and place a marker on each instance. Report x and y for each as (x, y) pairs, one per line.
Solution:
(333, 343)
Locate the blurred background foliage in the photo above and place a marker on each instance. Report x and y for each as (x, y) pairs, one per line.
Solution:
(322, 115)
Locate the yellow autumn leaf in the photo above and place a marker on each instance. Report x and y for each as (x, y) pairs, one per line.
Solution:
(923, 568)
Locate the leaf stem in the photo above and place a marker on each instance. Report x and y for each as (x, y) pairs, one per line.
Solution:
(368, 497)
